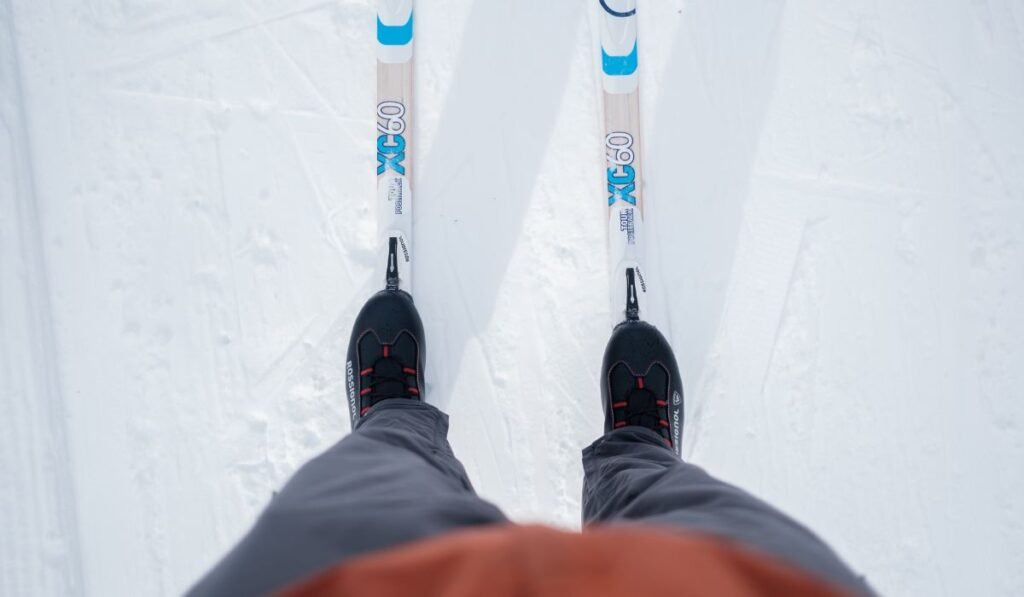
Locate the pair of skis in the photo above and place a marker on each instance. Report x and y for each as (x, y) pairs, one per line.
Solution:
(620, 81)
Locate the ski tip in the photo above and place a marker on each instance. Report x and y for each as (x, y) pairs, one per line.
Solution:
(394, 32)
(619, 46)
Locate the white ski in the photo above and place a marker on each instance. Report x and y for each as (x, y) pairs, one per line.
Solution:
(394, 143)
(624, 160)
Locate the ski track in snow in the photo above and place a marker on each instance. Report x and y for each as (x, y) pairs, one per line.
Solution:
(835, 192)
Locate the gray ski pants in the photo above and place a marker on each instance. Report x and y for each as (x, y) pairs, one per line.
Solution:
(395, 480)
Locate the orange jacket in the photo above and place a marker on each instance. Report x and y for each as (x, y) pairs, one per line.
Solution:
(513, 560)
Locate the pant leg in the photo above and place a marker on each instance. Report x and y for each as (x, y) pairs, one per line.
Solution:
(633, 477)
(392, 481)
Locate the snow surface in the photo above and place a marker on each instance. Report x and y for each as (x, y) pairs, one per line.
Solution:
(836, 199)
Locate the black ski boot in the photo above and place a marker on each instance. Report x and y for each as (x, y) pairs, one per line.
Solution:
(640, 383)
(385, 354)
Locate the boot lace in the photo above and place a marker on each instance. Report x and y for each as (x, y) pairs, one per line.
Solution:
(643, 408)
(387, 378)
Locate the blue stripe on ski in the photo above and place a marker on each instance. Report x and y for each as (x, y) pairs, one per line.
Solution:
(619, 65)
(394, 35)
(616, 13)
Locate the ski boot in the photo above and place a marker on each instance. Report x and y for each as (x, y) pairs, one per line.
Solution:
(386, 353)
(640, 383)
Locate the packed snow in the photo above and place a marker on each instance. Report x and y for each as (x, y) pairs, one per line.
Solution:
(835, 198)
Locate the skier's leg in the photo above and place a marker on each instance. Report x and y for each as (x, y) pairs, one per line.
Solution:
(634, 473)
(392, 481)
(633, 477)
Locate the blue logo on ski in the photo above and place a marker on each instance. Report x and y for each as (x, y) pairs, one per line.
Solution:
(394, 35)
(619, 65)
